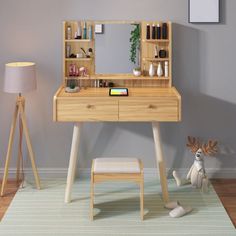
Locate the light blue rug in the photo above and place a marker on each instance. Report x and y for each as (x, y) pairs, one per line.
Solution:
(43, 212)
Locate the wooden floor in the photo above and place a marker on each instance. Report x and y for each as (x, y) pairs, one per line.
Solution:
(10, 192)
(225, 188)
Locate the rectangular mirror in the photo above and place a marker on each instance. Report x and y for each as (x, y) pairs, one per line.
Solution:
(113, 49)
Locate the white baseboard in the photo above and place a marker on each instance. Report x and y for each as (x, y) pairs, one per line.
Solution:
(226, 173)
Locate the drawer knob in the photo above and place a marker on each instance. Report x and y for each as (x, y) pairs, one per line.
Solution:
(90, 106)
(152, 106)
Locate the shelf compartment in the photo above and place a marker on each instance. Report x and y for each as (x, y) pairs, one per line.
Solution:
(156, 40)
(79, 59)
(155, 59)
(78, 40)
(131, 78)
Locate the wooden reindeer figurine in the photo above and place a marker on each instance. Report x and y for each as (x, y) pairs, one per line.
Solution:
(197, 175)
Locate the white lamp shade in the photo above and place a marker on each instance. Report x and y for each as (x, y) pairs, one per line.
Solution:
(19, 77)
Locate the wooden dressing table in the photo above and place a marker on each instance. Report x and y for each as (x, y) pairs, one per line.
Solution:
(151, 99)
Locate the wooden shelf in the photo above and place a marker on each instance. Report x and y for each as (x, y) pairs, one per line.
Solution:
(119, 77)
(126, 79)
(155, 59)
(78, 40)
(156, 40)
(79, 59)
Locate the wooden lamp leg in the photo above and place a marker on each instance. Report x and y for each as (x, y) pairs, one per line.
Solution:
(29, 145)
(9, 149)
(20, 157)
(73, 161)
(160, 161)
(19, 174)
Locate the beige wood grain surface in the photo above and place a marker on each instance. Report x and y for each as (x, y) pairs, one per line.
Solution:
(95, 104)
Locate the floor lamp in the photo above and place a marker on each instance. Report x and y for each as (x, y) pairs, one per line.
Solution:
(19, 77)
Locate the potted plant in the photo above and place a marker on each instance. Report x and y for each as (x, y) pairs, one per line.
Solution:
(135, 48)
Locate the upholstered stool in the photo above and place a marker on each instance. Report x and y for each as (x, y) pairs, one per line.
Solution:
(130, 169)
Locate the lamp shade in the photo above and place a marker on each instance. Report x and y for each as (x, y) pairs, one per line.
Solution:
(19, 77)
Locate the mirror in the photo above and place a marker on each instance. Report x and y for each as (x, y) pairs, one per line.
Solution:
(112, 49)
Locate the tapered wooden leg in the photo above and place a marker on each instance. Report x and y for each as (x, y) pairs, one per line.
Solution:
(73, 161)
(91, 196)
(9, 149)
(20, 158)
(29, 146)
(160, 161)
(142, 198)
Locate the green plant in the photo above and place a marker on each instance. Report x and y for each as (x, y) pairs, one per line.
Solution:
(135, 43)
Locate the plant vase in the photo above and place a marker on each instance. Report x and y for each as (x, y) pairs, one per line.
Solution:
(151, 70)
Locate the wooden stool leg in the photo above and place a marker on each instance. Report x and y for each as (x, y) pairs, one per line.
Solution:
(29, 145)
(91, 195)
(73, 161)
(160, 161)
(9, 149)
(142, 199)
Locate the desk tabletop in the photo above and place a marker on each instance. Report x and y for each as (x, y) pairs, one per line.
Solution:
(133, 92)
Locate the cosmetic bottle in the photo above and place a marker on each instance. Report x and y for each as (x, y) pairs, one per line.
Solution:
(148, 32)
(164, 31)
(158, 31)
(68, 51)
(79, 31)
(100, 83)
(69, 32)
(156, 51)
(71, 70)
(74, 69)
(144, 70)
(111, 84)
(166, 69)
(85, 31)
(90, 32)
(159, 70)
(89, 52)
(153, 31)
(151, 70)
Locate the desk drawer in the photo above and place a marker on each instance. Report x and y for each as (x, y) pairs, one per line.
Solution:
(157, 109)
(84, 109)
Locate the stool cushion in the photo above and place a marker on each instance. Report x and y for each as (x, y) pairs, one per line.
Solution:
(116, 165)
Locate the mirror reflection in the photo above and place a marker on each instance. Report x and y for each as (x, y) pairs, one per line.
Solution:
(113, 49)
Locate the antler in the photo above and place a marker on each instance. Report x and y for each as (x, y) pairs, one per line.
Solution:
(193, 143)
(210, 148)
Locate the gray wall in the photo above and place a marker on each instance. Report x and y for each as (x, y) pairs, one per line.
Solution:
(204, 72)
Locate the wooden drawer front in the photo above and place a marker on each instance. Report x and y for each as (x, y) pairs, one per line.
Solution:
(162, 109)
(87, 110)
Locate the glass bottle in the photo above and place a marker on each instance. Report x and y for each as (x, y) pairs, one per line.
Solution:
(69, 32)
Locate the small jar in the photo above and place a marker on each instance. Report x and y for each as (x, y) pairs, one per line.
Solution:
(162, 53)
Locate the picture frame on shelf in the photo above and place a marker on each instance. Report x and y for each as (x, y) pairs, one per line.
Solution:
(98, 28)
(204, 11)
